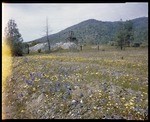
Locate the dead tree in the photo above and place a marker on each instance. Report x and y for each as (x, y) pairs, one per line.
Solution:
(47, 30)
(28, 49)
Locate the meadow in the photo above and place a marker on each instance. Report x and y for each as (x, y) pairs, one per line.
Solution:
(89, 84)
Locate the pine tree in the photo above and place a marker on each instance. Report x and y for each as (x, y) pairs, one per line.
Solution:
(120, 35)
(125, 34)
(13, 38)
(128, 32)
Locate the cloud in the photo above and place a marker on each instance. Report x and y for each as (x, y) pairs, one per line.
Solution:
(31, 18)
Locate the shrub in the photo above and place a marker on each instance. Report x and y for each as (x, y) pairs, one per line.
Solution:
(39, 50)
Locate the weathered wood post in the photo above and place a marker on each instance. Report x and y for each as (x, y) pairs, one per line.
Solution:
(81, 47)
(28, 48)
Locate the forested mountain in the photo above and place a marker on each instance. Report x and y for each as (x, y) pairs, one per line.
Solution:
(91, 31)
(140, 26)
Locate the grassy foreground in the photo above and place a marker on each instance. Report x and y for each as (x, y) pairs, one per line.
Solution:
(104, 84)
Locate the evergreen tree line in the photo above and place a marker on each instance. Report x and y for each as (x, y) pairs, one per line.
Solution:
(124, 37)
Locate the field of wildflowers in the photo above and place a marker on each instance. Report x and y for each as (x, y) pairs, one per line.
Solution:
(89, 84)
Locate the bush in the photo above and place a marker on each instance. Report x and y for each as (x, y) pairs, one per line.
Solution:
(39, 50)
(33, 43)
(137, 44)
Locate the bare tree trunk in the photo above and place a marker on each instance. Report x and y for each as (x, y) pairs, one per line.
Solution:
(98, 47)
(121, 44)
(47, 34)
(81, 47)
(28, 48)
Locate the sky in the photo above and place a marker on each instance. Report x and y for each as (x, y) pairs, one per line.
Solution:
(31, 18)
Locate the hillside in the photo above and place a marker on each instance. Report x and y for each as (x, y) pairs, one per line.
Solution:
(92, 30)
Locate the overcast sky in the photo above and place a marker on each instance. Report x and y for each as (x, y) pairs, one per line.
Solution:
(31, 18)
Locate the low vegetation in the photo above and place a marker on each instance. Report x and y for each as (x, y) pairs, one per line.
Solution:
(89, 84)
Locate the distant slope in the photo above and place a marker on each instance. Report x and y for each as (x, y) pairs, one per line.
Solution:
(93, 30)
(140, 26)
